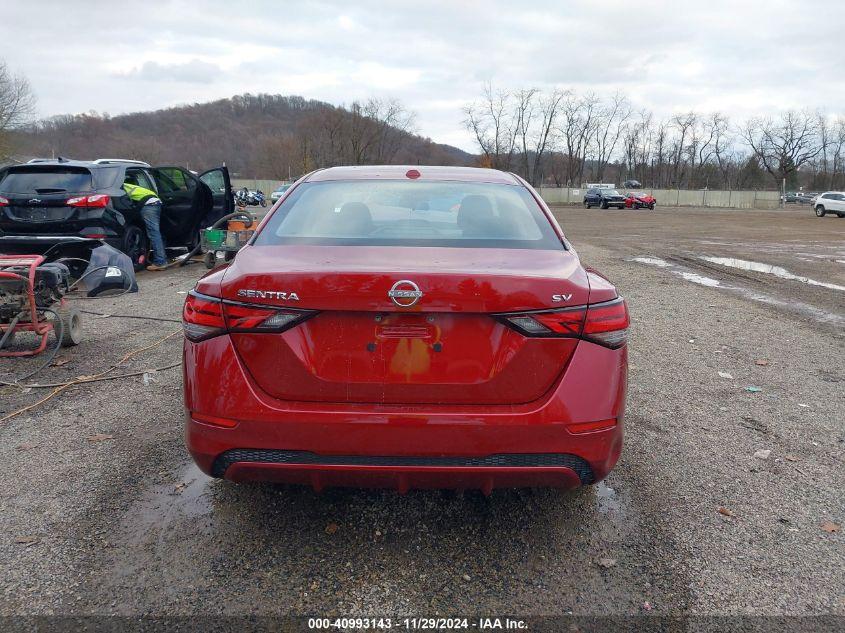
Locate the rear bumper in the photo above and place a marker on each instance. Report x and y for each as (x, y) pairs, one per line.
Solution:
(36, 243)
(403, 447)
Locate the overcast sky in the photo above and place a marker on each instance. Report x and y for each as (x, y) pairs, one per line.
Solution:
(738, 57)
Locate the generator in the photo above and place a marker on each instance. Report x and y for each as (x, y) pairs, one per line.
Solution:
(36, 274)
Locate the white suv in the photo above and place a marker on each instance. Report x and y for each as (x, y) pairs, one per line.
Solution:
(832, 202)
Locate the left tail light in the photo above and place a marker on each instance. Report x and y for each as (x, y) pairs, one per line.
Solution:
(602, 323)
(4, 202)
(204, 317)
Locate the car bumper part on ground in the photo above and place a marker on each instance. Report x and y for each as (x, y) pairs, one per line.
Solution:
(236, 431)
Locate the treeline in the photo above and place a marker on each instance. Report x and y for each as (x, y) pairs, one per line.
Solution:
(267, 136)
(563, 138)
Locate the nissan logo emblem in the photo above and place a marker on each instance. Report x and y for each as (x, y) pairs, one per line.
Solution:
(405, 293)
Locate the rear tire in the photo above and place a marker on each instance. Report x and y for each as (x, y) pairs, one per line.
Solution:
(72, 320)
(604, 204)
(136, 245)
(586, 204)
(651, 206)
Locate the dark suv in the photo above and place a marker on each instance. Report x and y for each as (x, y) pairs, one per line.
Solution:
(58, 198)
(604, 198)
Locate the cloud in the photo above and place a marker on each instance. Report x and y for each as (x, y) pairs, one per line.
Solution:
(195, 71)
(742, 58)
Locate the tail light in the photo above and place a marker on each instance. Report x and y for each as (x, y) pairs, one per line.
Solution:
(98, 200)
(204, 317)
(603, 323)
(4, 202)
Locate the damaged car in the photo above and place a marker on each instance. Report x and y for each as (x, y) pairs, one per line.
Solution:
(639, 200)
(70, 198)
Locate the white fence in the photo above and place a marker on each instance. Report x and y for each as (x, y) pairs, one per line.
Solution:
(681, 197)
(665, 197)
(267, 186)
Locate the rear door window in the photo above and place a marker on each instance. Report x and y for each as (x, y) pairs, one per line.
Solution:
(403, 213)
(174, 180)
(139, 178)
(42, 180)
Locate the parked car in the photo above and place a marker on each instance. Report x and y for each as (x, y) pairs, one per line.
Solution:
(830, 202)
(371, 336)
(639, 199)
(806, 197)
(603, 198)
(55, 198)
(789, 198)
(632, 184)
(278, 192)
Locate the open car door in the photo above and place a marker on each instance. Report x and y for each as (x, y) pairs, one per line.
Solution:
(223, 202)
(183, 203)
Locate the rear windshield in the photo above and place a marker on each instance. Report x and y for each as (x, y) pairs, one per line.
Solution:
(408, 213)
(46, 180)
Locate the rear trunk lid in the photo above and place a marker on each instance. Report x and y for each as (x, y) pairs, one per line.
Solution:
(38, 194)
(446, 348)
(39, 209)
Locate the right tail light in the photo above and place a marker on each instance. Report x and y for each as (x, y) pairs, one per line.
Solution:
(603, 323)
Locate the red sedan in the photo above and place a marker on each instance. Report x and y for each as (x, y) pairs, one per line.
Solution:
(639, 199)
(406, 328)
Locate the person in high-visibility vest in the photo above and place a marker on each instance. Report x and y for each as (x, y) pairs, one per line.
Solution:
(151, 214)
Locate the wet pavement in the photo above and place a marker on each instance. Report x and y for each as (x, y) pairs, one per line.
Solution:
(103, 512)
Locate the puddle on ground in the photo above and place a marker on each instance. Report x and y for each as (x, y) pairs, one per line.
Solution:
(797, 307)
(686, 274)
(653, 261)
(606, 499)
(769, 269)
(700, 279)
(188, 496)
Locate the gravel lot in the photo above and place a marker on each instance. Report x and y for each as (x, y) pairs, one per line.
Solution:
(103, 512)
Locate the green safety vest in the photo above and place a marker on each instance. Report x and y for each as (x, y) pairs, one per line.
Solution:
(138, 194)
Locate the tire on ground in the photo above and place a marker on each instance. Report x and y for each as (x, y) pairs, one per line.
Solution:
(72, 321)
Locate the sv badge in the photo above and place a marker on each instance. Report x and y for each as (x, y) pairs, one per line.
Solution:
(559, 298)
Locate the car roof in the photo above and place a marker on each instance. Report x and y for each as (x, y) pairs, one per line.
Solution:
(89, 164)
(427, 172)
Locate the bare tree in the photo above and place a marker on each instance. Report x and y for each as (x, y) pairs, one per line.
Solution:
(685, 125)
(525, 104)
(784, 145)
(535, 115)
(838, 152)
(393, 123)
(637, 145)
(17, 105)
(610, 125)
(578, 115)
(494, 126)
